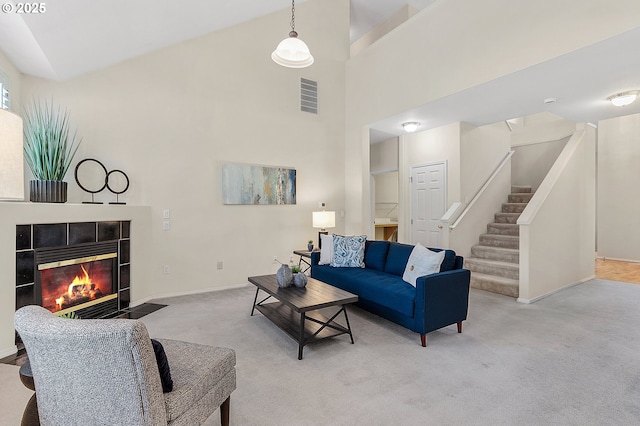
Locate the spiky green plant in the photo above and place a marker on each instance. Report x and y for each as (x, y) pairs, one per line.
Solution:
(49, 146)
(69, 315)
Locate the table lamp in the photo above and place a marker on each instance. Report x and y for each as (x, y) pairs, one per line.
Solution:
(323, 220)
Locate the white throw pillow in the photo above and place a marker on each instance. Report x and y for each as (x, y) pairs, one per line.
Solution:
(326, 249)
(422, 261)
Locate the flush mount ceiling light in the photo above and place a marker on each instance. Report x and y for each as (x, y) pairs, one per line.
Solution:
(623, 98)
(292, 52)
(410, 126)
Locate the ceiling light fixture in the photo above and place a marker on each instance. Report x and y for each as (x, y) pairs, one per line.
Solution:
(410, 126)
(623, 98)
(292, 52)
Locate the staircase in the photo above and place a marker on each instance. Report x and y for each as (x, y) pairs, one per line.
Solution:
(495, 262)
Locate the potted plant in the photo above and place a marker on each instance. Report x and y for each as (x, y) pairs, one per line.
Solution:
(49, 148)
(310, 245)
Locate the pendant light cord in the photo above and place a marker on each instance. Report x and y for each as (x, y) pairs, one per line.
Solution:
(293, 15)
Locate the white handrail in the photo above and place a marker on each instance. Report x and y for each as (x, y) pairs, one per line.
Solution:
(504, 161)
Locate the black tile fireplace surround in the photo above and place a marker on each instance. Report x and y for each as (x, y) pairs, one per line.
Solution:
(76, 239)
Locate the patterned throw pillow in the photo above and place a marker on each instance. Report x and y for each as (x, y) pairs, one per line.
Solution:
(348, 252)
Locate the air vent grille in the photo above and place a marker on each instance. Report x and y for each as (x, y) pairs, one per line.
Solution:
(308, 96)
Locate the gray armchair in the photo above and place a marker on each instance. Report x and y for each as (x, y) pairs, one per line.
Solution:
(104, 372)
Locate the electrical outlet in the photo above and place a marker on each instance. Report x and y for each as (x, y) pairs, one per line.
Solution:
(166, 225)
(165, 269)
(166, 214)
(219, 264)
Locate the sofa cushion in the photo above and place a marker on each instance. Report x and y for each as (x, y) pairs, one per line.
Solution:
(422, 261)
(375, 254)
(449, 262)
(348, 252)
(397, 258)
(379, 287)
(197, 370)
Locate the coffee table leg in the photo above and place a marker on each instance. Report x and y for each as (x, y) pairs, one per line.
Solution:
(301, 337)
(346, 318)
(254, 301)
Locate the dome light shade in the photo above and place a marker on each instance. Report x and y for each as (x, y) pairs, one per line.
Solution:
(292, 53)
(410, 126)
(624, 98)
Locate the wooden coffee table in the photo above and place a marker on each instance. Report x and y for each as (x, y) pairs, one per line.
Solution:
(295, 310)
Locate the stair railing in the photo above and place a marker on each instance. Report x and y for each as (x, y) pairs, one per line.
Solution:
(484, 187)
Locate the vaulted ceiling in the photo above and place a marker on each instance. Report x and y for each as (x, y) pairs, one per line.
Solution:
(74, 37)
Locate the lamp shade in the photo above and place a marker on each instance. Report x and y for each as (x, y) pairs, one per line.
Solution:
(292, 53)
(324, 219)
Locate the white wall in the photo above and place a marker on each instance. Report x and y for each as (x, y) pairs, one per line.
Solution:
(384, 156)
(481, 151)
(531, 163)
(619, 188)
(558, 227)
(401, 71)
(171, 118)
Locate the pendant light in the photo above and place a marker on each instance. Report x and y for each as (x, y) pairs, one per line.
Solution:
(292, 52)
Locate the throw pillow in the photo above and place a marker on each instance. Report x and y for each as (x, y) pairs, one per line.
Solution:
(163, 366)
(326, 249)
(422, 261)
(348, 252)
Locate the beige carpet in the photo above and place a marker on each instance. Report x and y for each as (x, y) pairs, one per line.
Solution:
(13, 396)
(569, 359)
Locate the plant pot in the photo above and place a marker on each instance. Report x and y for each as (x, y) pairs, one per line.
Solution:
(48, 191)
(309, 247)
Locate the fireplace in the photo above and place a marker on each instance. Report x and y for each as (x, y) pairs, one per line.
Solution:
(81, 278)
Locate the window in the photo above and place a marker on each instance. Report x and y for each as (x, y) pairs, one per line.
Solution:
(4, 91)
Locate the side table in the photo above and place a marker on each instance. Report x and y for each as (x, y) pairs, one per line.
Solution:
(305, 257)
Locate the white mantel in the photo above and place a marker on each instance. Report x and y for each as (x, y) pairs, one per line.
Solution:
(23, 213)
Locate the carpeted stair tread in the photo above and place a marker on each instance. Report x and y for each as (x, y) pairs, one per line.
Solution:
(506, 217)
(494, 284)
(513, 207)
(523, 197)
(520, 189)
(497, 240)
(496, 253)
(503, 228)
(493, 267)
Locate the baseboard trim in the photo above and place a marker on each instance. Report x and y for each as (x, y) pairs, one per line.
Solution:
(9, 351)
(185, 293)
(617, 259)
(535, 299)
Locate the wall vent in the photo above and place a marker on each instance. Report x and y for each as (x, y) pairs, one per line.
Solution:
(308, 96)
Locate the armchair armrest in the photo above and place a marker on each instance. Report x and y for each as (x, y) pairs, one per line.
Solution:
(442, 299)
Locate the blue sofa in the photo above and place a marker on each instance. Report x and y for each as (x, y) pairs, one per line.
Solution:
(438, 300)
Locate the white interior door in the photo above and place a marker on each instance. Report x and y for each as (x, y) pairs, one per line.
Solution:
(428, 189)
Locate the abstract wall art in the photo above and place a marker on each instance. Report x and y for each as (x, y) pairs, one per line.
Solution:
(254, 184)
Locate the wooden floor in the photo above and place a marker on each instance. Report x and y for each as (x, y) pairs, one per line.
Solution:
(616, 270)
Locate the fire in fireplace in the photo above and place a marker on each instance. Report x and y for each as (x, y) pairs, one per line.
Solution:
(81, 278)
(76, 282)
